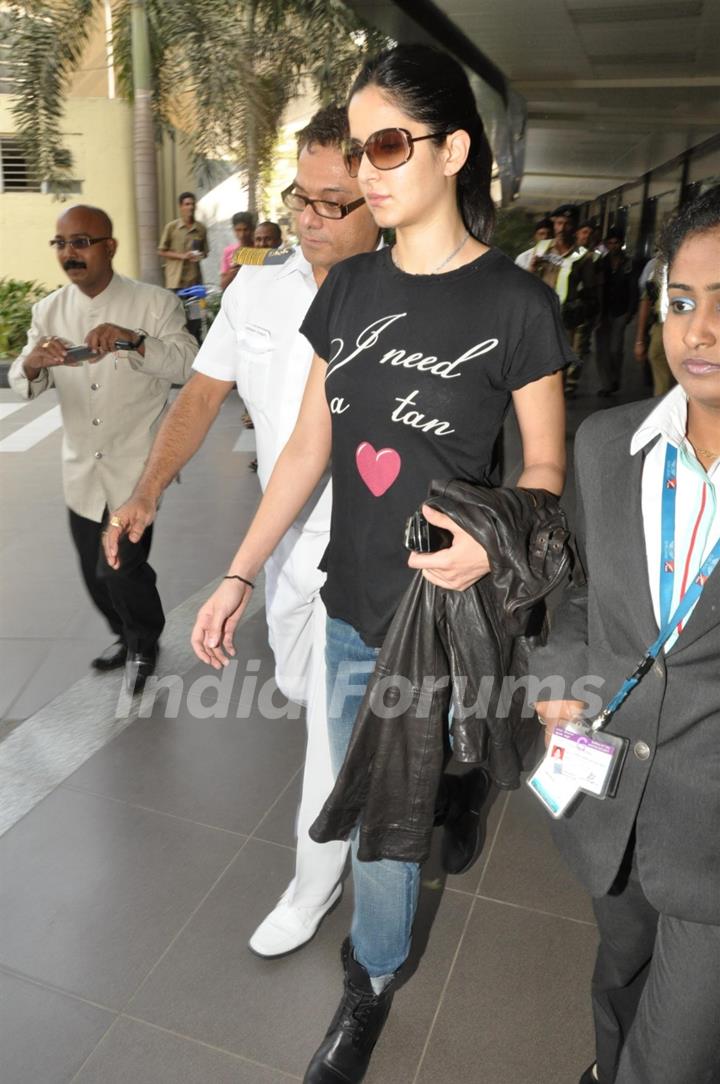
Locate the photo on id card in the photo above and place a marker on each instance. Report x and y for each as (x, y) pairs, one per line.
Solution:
(578, 761)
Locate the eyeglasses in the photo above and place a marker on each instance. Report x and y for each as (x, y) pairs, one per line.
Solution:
(77, 242)
(323, 207)
(387, 149)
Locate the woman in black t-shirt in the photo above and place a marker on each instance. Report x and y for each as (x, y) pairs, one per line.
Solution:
(419, 351)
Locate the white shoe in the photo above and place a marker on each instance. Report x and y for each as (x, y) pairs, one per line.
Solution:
(290, 926)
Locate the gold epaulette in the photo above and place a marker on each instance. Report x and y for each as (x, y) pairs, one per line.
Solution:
(258, 257)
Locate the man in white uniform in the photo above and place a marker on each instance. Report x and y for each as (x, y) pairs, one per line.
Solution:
(255, 343)
(111, 403)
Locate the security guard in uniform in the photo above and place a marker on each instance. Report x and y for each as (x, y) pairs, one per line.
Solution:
(255, 343)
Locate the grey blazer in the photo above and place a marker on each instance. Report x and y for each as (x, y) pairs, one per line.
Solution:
(670, 785)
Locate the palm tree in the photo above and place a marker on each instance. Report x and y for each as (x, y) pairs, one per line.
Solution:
(226, 69)
(43, 46)
(221, 70)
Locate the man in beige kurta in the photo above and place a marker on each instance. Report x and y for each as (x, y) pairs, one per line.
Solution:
(111, 405)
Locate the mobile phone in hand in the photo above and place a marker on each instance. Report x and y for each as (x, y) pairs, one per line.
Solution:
(424, 537)
(75, 354)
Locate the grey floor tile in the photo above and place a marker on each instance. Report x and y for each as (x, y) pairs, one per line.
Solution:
(19, 660)
(525, 866)
(439, 924)
(28, 548)
(134, 1053)
(211, 987)
(64, 661)
(87, 622)
(175, 588)
(50, 609)
(517, 1007)
(278, 826)
(44, 1036)
(222, 771)
(93, 891)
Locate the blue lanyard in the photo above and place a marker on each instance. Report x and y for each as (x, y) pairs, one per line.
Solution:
(667, 544)
(691, 596)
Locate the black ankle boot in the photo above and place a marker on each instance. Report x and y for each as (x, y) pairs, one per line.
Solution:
(344, 1054)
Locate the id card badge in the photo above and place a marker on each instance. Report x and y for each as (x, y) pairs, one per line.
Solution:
(578, 760)
(556, 792)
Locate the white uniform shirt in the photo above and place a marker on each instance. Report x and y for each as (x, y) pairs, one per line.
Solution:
(697, 517)
(525, 258)
(111, 408)
(255, 341)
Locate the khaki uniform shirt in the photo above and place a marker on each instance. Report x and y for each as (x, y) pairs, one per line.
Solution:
(177, 237)
(111, 408)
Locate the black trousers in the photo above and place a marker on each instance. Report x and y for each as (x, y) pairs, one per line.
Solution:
(656, 991)
(126, 597)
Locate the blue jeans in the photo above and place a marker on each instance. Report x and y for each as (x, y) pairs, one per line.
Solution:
(386, 892)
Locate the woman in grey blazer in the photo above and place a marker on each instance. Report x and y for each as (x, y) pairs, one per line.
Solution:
(649, 518)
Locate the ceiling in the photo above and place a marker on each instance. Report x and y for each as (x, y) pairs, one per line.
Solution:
(611, 89)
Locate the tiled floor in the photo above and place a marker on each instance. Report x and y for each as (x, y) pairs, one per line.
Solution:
(48, 627)
(128, 893)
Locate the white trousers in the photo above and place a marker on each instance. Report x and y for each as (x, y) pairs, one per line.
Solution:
(296, 627)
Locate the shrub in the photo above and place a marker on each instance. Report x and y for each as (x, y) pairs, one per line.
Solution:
(16, 301)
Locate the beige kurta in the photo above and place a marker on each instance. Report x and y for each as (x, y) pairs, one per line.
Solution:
(111, 408)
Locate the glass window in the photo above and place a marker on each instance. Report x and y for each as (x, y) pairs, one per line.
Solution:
(632, 213)
(705, 168)
(15, 174)
(665, 189)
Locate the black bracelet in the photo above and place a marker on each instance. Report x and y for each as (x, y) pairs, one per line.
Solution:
(242, 580)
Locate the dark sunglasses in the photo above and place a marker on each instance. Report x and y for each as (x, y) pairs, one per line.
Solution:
(77, 242)
(323, 207)
(386, 149)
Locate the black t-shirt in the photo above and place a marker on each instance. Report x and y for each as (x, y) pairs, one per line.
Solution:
(420, 374)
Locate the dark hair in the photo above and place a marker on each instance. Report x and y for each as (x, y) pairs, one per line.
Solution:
(328, 127)
(187, 195)
(699, 216)
(275, 227)
(615, 234)
(432, 88)
(543, 224)
(586, 225)
(244, 218)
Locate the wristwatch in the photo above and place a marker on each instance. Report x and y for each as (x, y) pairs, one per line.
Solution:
(132, 344)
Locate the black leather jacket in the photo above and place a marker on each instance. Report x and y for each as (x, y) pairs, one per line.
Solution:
(450, 649)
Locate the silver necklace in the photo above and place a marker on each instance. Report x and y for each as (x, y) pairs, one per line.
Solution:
(440, 266)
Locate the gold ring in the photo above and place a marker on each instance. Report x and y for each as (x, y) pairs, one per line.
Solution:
(115, 522)
(46, 343)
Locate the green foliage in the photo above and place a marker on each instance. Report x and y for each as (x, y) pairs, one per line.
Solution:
(513, 231)
(225, 69)
(16, 301)
(45, 40)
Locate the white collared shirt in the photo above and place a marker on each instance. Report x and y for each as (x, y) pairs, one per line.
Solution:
(697, 517)
(255, 340)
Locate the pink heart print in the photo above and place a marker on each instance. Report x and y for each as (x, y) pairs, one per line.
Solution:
(378, 470)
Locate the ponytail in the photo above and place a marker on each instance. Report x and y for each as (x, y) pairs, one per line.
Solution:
(473, 188)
